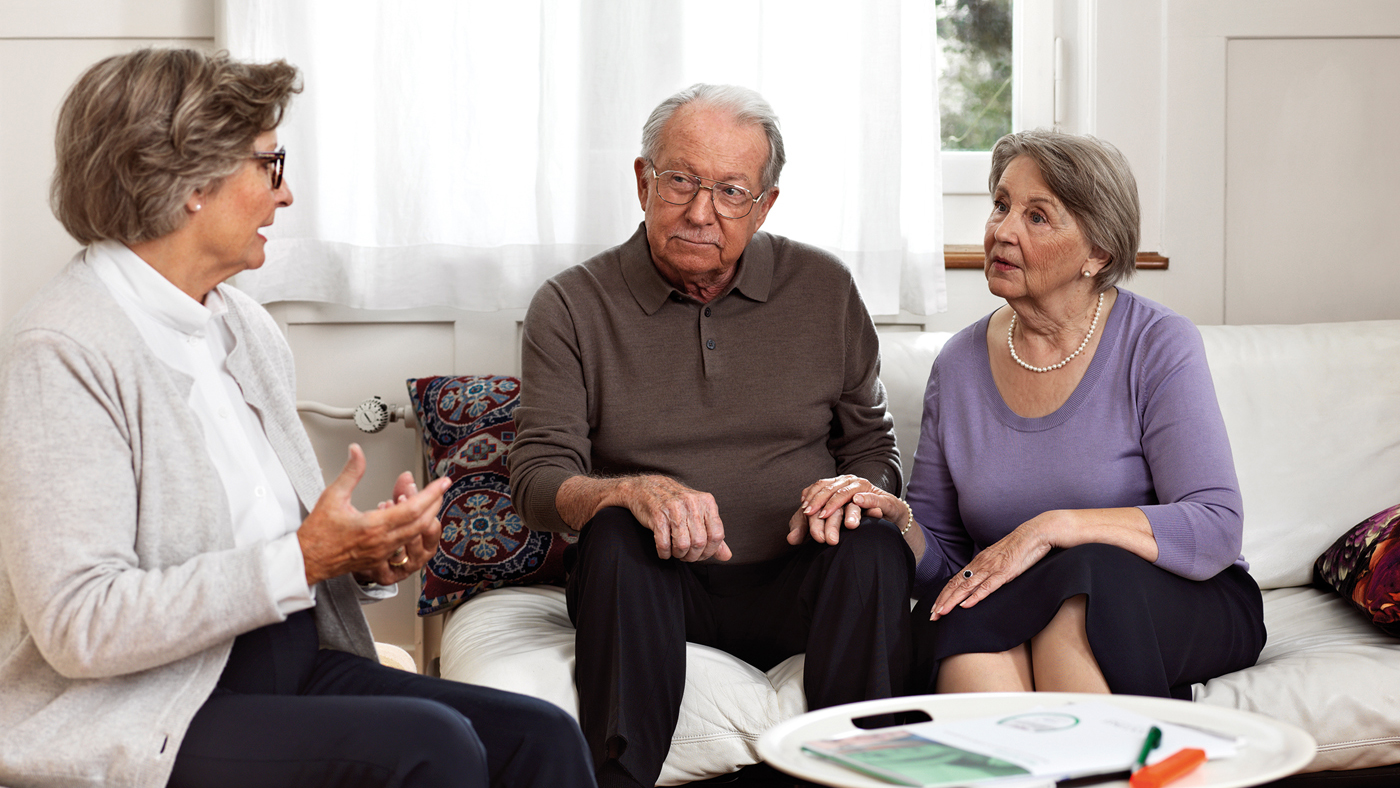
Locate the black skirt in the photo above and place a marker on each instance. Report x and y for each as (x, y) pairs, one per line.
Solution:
(1152, 632)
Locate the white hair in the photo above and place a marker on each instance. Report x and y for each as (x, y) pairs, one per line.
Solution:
(746, 105)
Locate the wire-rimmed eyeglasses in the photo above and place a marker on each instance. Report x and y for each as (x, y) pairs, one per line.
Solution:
(277, 162)
(679, 188)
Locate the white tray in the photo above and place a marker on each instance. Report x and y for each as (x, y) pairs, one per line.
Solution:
(1270, 749)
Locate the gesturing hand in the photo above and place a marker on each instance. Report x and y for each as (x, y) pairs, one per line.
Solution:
(684, 522)
(827, 505)
(337, 538)
(411, 556)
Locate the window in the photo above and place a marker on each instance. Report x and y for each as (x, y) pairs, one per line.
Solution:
(996, 74)
(974, 73)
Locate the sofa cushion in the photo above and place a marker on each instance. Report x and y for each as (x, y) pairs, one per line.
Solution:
(1326, 670)
(906, 360)
(467, 423)
(1310, 410)
(520, 639)
(1363, 565)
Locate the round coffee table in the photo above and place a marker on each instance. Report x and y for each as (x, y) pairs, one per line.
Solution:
(1269, 750)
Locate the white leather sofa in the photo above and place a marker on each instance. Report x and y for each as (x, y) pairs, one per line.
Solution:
(1313, 413)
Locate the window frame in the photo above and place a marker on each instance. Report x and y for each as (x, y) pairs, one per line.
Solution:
(1033, 88)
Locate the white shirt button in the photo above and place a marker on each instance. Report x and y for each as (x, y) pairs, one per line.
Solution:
(260, 492)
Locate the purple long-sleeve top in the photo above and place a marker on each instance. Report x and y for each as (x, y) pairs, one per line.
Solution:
(1142, 429)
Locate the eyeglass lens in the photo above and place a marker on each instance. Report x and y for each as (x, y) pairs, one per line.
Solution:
(679, 188)
(275, 161)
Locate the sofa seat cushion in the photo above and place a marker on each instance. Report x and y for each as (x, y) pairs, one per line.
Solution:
(520, 639)
(1327, 670)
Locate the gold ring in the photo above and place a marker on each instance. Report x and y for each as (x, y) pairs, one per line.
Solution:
(402, 561)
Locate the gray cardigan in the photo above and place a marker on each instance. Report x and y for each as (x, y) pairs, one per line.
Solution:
(121, 590)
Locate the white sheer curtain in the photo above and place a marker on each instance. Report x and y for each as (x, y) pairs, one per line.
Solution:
(458, 153)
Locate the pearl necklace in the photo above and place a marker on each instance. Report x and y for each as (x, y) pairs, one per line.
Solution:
(1064, 360)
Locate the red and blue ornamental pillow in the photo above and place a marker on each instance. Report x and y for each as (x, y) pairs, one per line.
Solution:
(468, 423)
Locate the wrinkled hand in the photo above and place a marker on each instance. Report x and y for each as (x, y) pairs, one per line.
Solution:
(886, 506)
(411, 556)
(337, 538)
(827, 505)
(993, 568)
(684, 522)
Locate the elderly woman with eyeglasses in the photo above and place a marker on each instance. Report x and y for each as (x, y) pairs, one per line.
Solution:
(179, 591)
(1074, 483)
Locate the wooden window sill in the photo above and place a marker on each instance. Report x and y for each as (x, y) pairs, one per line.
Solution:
(969, 256)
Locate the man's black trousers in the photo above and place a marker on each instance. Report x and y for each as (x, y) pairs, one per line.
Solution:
(845, 605)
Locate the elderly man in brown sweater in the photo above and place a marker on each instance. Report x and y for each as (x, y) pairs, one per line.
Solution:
(692, 401)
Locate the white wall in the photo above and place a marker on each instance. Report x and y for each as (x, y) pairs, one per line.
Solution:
(44, 46)
(1258, 130)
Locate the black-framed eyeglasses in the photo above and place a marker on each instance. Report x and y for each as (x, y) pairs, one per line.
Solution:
(679, 188)
(277, 162)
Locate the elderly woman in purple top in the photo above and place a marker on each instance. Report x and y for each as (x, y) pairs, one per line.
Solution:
(1080, 520)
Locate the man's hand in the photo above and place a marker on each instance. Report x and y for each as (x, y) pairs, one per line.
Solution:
(827, 505)
(337, 538)
(684, 522)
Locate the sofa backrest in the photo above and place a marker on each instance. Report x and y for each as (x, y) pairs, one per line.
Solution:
(1313, 413)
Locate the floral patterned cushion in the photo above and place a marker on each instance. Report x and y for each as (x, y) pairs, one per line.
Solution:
(468, 423)
(1364, 566)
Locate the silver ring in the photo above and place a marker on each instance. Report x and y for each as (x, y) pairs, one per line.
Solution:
(967, 574)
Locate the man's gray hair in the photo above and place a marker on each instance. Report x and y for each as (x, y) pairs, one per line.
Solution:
(746, 105)
(1093, 180)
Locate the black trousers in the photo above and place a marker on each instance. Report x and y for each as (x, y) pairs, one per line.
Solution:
(286, 713)
(846, 606)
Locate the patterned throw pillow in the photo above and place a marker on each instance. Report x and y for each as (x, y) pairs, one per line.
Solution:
(468, 423)
(1364, 567)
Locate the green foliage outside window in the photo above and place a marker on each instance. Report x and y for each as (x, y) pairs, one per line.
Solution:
(974, 85)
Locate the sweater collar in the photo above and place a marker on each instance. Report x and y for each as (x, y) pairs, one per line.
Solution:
(753, 280)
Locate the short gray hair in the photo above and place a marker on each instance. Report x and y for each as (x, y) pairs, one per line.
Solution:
(746, 105)
(1093, 180)
(139, 133)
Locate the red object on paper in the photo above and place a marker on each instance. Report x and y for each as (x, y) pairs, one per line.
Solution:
(1168, 769)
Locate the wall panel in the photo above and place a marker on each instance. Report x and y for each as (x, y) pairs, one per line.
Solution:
(1310, 172)
(107, 19)
(34, 76)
